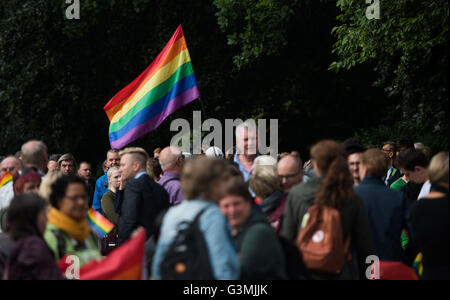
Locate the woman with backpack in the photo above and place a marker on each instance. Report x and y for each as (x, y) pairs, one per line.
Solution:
(26, 256)
(68, 231)
(257, 244)
(194, 241)
(335, 196)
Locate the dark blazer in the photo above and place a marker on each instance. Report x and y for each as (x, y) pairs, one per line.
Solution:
(143, 200)
(394, 177)
(388, 212)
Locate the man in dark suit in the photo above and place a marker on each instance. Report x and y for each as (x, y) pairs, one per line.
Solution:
(387, 209)
(85, 172)
(143, 199)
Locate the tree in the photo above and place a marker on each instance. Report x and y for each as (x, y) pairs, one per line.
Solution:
(408, 47)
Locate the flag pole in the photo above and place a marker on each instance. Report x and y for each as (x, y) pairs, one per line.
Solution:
(204, 113)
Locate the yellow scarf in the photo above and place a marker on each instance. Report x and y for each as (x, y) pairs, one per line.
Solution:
(78, 230)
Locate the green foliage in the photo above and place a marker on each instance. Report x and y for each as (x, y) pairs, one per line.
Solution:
(252, 59)
(256, 27)
(408, 47)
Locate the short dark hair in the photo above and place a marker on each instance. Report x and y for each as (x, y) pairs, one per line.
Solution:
(54, 157)
(113, 150)
(405, 143)
(22, 215)
(392, 144)
(352, 146)
(59, 188)
(411, 158)
(238, 187)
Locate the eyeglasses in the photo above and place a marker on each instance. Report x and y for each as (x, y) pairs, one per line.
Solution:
(289, 176)
(76, 197)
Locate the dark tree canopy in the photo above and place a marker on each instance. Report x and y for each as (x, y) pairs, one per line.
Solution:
(320, 67)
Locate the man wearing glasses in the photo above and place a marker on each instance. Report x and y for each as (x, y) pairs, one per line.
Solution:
(389, 148)
(290, 172)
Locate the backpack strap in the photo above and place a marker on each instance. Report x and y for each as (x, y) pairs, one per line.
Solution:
(60, 242)
(196, 220)
(171, 179)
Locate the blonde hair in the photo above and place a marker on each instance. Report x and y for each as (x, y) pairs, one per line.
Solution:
(45, 188)
(265, 160)
(109, 174)
(132, 150)
(264, 181)
(438, 168)
(138, 154)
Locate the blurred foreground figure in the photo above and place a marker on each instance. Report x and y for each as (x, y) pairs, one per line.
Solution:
(212, 256)
(430, 221)
(24, 255)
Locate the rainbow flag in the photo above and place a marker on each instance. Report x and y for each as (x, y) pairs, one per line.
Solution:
(7, 177)
(99, 224)
(166, 85)
(123, 263)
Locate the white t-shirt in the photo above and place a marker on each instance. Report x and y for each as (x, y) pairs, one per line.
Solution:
(426, 188)
(6, 196)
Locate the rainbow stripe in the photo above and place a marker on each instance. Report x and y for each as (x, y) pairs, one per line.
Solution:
(99, 224)
(7, 177)
(166, 85)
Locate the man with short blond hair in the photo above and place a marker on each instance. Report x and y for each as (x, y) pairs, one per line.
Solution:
(143, 199)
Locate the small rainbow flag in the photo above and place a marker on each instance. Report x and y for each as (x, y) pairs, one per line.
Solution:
(7, 177)
(99, 224)
(166, 85)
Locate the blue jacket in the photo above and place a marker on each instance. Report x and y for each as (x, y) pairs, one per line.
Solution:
(388, 213)
(101, 187)
(216, 230)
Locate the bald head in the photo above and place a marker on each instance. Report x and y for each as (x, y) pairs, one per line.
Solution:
(171, 159)
(10, 164)
(290, 172)
(34, 153)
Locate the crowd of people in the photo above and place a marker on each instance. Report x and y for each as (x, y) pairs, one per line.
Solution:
(231, 216)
